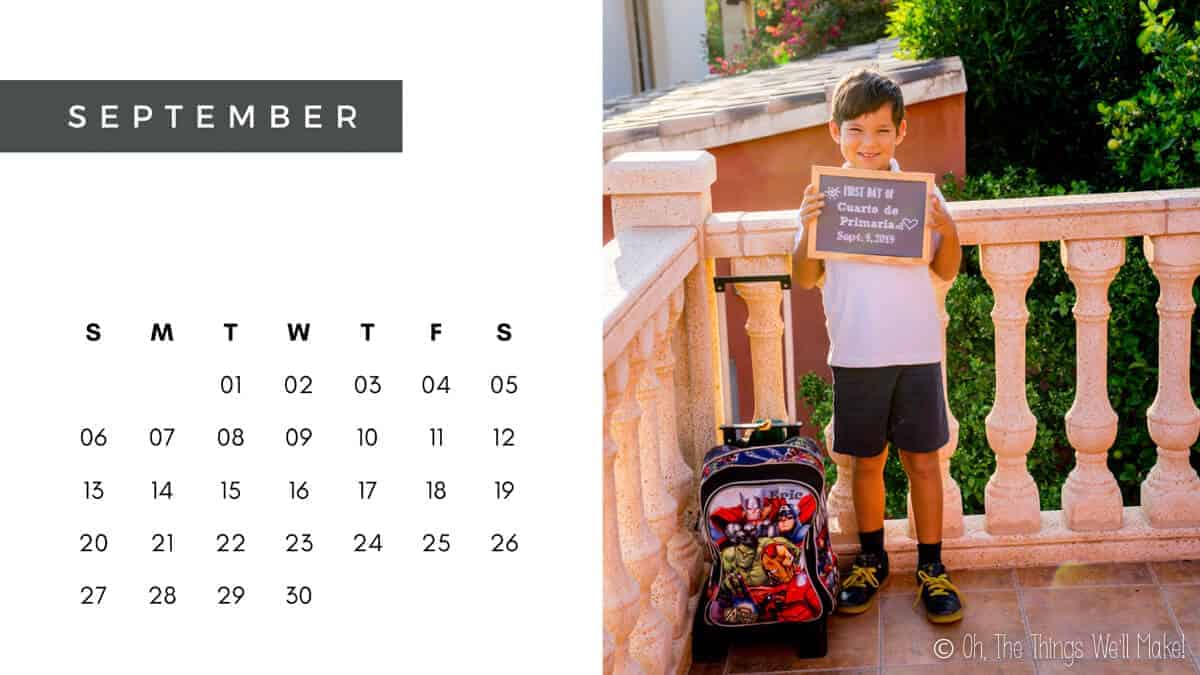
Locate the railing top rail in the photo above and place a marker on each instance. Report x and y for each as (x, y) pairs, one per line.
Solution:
(642, 268)
(993, 221)
(1096, 216)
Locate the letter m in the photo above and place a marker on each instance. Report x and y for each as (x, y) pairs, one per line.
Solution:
(162, 332)
(244, 119)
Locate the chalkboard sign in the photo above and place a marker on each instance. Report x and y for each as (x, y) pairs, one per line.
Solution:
(872, 216)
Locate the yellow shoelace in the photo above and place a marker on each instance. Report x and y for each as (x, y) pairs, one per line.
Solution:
(861, 576)
(939, 585)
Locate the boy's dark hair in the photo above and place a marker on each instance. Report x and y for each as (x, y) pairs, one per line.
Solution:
(863, 91)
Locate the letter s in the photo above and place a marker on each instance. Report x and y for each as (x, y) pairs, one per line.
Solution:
(78, 120)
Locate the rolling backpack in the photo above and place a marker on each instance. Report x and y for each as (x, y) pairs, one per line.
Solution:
(763, 518)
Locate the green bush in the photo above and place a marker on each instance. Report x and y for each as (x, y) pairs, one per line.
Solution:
(714, 40)
(1035, 69)
(1050, 362)
(1009, 182)
(1155, 135)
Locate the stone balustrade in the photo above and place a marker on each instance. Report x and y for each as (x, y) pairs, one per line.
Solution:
(654, 361)
(666, 388)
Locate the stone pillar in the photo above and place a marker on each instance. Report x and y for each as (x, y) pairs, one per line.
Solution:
(736, 19)
(1171, 492)
(1011, 497)
(669, 592)
(683, 552)
(660, 189)
(764, 326)
(650, 639)
(1091, 499)
(952, 515)
(620, 590)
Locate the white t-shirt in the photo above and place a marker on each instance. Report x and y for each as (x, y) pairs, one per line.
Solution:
(881, 314)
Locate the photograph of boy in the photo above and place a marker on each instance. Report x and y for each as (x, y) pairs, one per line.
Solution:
(886, 393)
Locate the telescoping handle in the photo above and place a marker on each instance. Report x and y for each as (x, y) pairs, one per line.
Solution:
(720, 283)
(732, 434)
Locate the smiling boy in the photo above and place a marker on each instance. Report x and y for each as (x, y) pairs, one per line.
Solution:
(885, 392)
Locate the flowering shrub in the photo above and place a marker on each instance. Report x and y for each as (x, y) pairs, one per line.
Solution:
(786, 30)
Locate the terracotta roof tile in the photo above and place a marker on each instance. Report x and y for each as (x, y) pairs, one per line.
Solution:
(699, 107)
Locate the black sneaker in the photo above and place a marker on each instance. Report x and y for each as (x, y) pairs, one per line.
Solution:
(866, 577)
(941, 598)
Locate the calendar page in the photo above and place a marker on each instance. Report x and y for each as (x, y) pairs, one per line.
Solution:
(298, 399)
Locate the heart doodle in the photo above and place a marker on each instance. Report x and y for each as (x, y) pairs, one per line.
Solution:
(909, 223)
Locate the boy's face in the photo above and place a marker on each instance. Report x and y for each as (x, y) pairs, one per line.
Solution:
(869, 141)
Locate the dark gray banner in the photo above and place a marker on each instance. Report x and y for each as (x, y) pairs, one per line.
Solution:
(201, 116)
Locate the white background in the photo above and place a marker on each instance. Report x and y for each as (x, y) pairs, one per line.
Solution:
(489, 215)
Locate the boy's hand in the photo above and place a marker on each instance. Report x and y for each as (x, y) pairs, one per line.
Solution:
(948, 256)
(806, 271)
(810, 210)
(936, 217)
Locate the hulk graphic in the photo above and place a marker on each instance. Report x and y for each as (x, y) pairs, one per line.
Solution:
(738, 559)
(742, 563)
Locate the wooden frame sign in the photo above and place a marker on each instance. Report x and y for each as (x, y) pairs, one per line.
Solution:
(872, 216)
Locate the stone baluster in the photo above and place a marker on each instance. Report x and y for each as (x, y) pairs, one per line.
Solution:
(1011, 500)
(1091, 499)
(764, 325)
(683, 552)
(609, 653)
(843, 520)
(952, 515)
(620, 590)
(703, 351)
(650, 640)
(1171, 492)
(669, 591)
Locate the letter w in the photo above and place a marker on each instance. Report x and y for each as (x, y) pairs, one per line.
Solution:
(298, 330)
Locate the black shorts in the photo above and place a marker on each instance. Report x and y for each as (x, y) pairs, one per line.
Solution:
(901, 405)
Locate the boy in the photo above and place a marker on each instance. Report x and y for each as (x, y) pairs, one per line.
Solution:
(885, 391)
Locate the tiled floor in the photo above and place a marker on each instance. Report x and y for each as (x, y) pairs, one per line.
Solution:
(1097, 618)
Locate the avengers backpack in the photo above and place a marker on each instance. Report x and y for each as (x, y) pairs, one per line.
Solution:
(763, 518)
